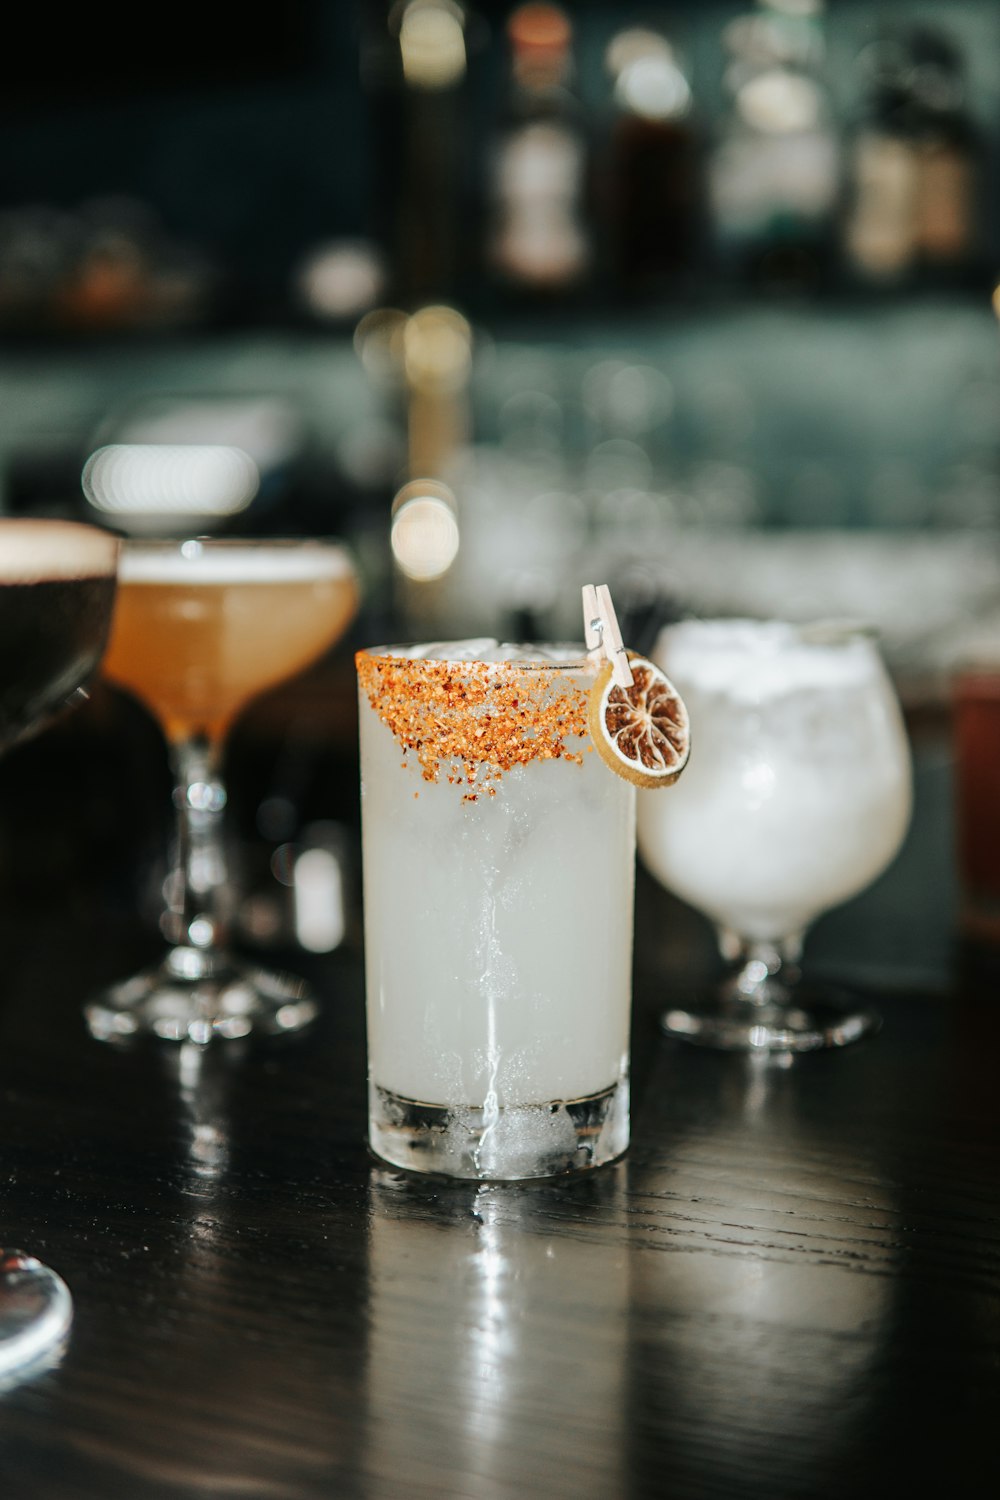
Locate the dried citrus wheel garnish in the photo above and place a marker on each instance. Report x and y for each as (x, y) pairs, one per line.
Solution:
(641, 731)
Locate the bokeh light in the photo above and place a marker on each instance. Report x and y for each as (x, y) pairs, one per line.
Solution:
(424, 533)
(135, 480)
(432, 44)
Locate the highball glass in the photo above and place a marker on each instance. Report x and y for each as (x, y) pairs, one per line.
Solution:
(498, 887)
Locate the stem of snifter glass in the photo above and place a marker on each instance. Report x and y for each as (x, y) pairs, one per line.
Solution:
(766, 969)
(195, 917)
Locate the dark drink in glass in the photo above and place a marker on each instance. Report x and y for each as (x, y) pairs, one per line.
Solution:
(57, 588)
(57, 592)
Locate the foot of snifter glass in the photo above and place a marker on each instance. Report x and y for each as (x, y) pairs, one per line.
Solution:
(764, 1007)
(505, 1144)
(188, 999)
(810, 1022)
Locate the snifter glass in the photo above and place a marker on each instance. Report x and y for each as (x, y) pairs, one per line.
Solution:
(57, 586)
(200, 628)
(796, 798)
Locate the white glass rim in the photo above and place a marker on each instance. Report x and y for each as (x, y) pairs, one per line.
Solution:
(181, 560)
(834, 630)
(403, 653)
(233, 543)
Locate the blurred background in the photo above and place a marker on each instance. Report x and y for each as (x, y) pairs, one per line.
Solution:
(697, 298)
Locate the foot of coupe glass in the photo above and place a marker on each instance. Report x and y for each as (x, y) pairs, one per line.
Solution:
(762, 1006)
(227, 1001)
(199, 991)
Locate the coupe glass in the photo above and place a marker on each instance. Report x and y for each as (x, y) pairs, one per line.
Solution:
(200, 628)
(797, 795)
(57, 588)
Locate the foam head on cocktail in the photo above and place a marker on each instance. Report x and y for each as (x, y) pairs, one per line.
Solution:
(201, 628)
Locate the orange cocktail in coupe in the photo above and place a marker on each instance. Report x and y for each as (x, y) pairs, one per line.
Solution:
(200, 628)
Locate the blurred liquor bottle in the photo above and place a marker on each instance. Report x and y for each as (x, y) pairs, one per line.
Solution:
(775, 167)
(650, 186)
(913, 170)
(538, 239)
(414, 67)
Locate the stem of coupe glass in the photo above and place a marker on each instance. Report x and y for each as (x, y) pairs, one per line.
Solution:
(196, 917)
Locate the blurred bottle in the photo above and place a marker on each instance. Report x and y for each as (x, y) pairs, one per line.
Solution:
(107, 265)
(538, 239)
(437, 364)
(975, 703)
(775, 171)
(651, 187)
(414, 69)
(913, 173)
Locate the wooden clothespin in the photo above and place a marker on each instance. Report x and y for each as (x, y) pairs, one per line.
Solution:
(602, 634)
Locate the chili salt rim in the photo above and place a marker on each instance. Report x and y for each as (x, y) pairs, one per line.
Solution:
(473, 720)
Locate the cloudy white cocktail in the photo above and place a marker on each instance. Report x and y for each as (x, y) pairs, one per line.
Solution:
(797, 797)
(498, 882)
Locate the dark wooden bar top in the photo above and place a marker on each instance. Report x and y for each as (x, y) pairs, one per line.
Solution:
(790, 1287)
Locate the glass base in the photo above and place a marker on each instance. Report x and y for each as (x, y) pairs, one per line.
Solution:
(503, 1145)
(36, 1311)
(808, 1021)
(225, 999)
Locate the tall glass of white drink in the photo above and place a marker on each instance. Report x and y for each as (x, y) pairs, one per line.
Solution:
(797, 797)
(498, 889)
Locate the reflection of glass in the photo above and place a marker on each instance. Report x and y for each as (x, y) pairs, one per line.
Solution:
(483, 1312)
(498, 859)
(57, 588)
(797, 796)
(762, 1295)
(200, 628)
